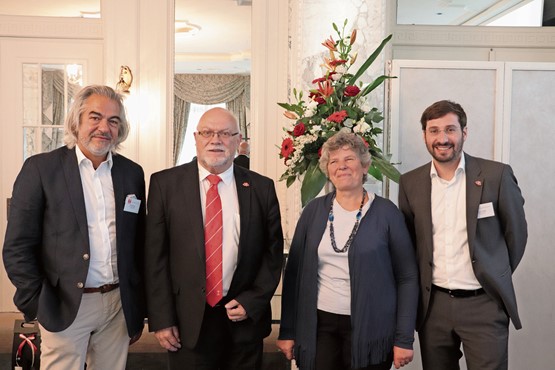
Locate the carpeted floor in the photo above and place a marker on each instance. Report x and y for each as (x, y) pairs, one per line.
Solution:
(146, 354)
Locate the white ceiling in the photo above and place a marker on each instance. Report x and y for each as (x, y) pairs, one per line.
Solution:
(453, 12)
(223, 43)
(221, 46)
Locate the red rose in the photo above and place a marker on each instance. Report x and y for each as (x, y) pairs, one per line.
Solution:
(337, 62)
(299, 129)
(351, 90)
(287, 148)
(338, 117)
(317, 98)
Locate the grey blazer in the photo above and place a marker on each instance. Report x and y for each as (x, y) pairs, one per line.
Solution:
(496, 243)
(47, 239)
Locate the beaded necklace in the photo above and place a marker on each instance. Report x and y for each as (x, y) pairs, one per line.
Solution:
(355, 228)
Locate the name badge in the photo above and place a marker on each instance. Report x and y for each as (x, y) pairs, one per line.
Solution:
(486, 210)
(132, 204)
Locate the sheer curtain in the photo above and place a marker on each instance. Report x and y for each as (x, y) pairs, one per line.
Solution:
(234, 90)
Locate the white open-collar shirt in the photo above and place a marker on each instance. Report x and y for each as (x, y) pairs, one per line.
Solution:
(98, 190)
(452, 265)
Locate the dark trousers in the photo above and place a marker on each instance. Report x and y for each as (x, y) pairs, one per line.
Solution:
(477, 322)
(333, 344)
(216, 349)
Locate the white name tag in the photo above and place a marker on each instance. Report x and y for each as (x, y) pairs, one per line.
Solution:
(132, 204)
(486, 210)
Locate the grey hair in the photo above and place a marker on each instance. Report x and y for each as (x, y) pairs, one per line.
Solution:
(340, 140)
(73, 119)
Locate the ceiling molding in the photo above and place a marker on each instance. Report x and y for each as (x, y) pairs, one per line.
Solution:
(52, 27)
(462, 36)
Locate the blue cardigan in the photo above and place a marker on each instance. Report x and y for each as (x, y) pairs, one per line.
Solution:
(384, 284)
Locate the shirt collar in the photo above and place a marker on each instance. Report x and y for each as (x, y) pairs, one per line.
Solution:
(460, 168)
(81, 157)
(226, 176)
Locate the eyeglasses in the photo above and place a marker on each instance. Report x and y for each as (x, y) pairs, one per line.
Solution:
(449, 131)
(207, 134)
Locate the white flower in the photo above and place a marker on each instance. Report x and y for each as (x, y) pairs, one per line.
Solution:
(315, 129)
(348, 122)
(361, 126)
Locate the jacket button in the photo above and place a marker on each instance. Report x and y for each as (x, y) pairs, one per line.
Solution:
(86, 257)
(428, 288)
(80, 285)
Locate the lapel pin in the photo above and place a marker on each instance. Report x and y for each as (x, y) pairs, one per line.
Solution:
(246, 184)
(478, 183)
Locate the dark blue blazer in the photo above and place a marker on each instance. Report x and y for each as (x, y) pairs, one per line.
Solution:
(47, 241)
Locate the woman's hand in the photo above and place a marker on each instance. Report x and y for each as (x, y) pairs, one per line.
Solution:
(402, 356)
(286, 346)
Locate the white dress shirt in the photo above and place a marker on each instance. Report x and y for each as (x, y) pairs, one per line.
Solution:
(452, 267)
(231, 221)
(98, 190)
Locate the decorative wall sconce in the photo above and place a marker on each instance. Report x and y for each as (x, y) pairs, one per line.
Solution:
(125, 80)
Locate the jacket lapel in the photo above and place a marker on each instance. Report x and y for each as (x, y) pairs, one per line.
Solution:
(119, 195)
(244, 193)
(474, 186)
(425, 194)
(189, 182)
(75, 192)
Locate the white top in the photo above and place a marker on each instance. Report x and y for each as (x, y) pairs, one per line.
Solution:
(452, 266)
(100, 206)
(231, 220)
(334, 282)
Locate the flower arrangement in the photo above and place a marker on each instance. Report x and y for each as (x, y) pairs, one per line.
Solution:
(336, 103)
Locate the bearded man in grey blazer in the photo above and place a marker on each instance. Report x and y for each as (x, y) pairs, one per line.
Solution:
(467, 221)
(74, 241)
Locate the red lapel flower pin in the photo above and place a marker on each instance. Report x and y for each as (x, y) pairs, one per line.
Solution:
(478, 183)
(246, 184)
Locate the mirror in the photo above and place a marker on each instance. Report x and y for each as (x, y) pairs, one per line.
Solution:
(513, 13)
(48, 91)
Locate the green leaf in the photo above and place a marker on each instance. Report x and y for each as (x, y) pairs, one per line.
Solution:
(291, 180)
(375, 173)
(386, 168)
(313, 182)
(369, 61)
(377, 82)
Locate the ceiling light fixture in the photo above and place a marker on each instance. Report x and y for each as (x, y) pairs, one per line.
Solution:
(186, 28)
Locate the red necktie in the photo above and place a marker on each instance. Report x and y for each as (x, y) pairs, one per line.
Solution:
(213, 242)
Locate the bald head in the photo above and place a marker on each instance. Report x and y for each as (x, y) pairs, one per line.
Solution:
(217, 139)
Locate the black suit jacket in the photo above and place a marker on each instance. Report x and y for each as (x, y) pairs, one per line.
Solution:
(496, 243)
(175, 257)
(47, 239)
(242, 160)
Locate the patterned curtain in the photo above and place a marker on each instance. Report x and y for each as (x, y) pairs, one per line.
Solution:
(234, 90)
(180, 117)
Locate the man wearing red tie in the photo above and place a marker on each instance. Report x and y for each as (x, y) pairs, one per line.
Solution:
(214, 249)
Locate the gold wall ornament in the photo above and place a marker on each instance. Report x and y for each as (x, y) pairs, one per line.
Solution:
(125, 80)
